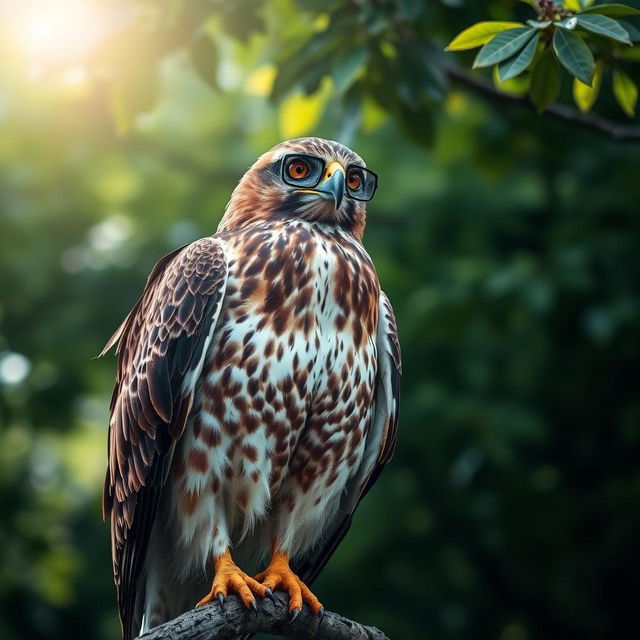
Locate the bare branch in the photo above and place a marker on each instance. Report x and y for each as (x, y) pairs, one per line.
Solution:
(614, 130)
(233, 620)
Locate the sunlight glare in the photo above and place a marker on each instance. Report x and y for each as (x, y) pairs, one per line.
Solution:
(53, 31)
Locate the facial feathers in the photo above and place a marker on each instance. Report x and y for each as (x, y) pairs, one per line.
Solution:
(262, 194)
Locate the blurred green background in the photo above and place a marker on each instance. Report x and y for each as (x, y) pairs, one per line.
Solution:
(508, 243)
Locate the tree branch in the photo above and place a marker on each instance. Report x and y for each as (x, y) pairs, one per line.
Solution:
(233, 620)
(614, 130)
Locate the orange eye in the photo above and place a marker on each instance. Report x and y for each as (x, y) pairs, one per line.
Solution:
(354, 180)
(298, 169)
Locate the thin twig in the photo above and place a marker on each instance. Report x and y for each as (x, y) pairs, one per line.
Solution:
(614, 130)
(233, 619)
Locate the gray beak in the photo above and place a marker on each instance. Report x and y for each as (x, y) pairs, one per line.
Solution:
(333, 188)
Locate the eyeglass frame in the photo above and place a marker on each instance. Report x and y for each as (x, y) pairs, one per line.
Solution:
(304, 156)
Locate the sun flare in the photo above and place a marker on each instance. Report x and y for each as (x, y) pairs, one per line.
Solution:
(53, 32)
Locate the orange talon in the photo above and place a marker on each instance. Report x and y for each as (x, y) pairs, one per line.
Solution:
(229, 578)
(278, 575)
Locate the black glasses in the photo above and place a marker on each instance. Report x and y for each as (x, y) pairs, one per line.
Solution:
(299, 170)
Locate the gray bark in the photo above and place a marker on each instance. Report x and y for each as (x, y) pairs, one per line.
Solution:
(213, 622)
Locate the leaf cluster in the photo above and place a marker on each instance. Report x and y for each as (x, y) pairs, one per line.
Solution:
(585, 39)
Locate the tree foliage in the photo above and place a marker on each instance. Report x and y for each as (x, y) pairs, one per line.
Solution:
(585, 38)
(508, 242)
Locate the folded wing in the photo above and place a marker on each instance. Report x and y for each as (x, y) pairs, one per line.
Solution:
(161, 345)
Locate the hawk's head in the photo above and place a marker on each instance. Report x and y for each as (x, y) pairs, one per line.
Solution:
(306, 178)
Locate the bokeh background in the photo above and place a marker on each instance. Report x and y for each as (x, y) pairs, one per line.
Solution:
(509, 244)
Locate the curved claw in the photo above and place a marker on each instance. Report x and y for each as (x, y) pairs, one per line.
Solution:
(229, 578)
(270, 595)
(278, 575)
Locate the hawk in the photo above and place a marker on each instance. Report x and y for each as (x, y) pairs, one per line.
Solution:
(257, 394)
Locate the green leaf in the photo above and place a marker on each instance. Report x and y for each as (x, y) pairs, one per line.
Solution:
(569, 23)
(479, 34)
(577, 5)
(625, 91)
(546, 81)
(537, 24)
(300, 113)
(204, 57)
(604, 26)
(574, 54)
(516, 65)
(503, 46)
(518, 86)
(307, 62)
(348, 67)
(612, 10)
(584, 95)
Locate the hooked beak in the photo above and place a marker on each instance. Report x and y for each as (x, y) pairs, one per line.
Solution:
(333, 186)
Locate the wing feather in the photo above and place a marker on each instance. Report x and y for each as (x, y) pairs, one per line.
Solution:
(380, 441)
(161, 347)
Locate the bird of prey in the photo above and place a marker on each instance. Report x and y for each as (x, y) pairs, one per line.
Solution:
(257, 394)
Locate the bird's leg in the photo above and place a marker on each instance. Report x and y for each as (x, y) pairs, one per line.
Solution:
(278, 575)
(229, 577)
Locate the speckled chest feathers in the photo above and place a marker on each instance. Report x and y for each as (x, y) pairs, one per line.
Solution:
(286, 395)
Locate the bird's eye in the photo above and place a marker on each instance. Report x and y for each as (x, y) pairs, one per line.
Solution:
(298, 169)
(354, 180)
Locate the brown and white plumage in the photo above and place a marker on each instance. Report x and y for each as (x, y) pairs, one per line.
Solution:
(256, 399)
